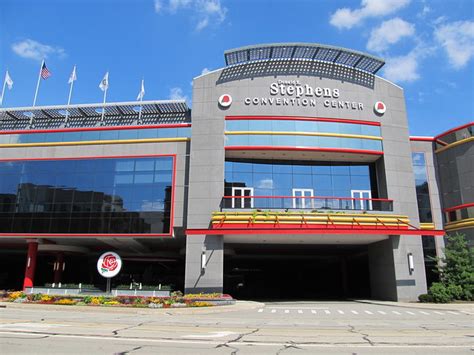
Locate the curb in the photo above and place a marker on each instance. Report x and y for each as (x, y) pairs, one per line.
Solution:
(459, 307)
(238, 306)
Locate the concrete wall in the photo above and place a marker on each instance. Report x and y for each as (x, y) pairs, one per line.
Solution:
(207, 164)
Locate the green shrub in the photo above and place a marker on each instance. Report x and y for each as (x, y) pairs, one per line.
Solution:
(424, 298)
(455, 291)
(439, 293)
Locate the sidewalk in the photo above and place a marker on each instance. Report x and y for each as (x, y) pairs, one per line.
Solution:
(238, 306)
(460, 307)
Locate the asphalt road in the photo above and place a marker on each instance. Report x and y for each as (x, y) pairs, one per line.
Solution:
(249, 328)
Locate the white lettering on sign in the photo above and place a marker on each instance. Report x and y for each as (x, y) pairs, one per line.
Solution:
(293, 93)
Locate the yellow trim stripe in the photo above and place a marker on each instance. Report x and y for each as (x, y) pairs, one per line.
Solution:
(314, 134)
(462, 141)
(427, 226)
(463, 223)
(309, 214)
(115, 141)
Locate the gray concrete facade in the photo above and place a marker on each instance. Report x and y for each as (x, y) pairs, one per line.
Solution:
(390, 280)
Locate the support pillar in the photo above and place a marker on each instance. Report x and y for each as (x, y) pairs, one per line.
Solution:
(30, 264)
(204, 264)
(58, 268)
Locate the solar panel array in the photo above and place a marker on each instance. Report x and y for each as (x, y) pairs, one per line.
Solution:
(316, 52)
(305, 59)
(90, 115)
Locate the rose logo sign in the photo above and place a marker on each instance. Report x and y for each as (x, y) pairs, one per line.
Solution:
(109, 264)
(225, 100)
(380, 107)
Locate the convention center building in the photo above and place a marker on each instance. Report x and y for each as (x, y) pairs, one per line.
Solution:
(293, 176)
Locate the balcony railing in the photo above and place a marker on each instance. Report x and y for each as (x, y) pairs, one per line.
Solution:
(306, 203)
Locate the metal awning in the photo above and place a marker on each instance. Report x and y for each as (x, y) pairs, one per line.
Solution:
(94, 111)
(304, 51)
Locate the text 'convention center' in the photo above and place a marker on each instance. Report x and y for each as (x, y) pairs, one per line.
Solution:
(293, 176)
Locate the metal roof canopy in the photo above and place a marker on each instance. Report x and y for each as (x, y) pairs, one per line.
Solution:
(308, 51)
(112, 109)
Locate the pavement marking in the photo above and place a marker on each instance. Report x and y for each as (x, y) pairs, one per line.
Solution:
(287, 311)
(274, 310)
(327, 312)
(368, 312)
(260, 310)
(381, 312)
(340, 312)
(425, 313)
(355, 312)
(313, 311)
(410, 313)
(456, 313)
(248, 343)
(210, 335)
(395, 312)
(300, 311)
(439, 313)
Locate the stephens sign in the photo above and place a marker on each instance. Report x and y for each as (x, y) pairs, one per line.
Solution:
(109, 264)
(293, 93)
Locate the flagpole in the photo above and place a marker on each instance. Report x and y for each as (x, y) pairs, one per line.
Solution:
(3, 89)
(141, 107)
(103, 104)
(70, 94)
(38, 84)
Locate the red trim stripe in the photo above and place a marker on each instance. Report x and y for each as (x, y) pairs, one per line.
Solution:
(93, 157)
(83, 235)
(327, 150)
(316, 197)
(301, 118)
(454, 130)
(422, 139)
(459, 207)
(86, 129)
(247, 231)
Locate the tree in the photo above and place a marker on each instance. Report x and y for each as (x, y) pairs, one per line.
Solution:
(456, 270)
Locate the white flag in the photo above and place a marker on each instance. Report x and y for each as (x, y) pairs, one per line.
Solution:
(73, 76)
(104, 84)
(8, 80)
(142, 92)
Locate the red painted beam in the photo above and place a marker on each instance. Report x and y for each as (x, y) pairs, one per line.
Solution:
(324, 150)
(301, 118)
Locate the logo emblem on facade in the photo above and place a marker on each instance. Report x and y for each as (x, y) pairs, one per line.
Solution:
(380, 107)
(225, 100)
(109, 264)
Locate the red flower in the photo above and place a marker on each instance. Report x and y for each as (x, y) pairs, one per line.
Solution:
(109, 263)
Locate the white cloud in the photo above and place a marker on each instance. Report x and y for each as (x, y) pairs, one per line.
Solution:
(175, 5)
(158, 6)
(345, 18)
(402, 68)
(177, 94)
(388, 33)
(457, 39)
(205, 71)
(265, 184)
(35, 50)
(205, 12)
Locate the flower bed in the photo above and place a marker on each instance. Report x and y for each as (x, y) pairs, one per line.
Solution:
(177, 300)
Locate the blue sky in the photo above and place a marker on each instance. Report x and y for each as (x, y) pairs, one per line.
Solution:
(428, 46)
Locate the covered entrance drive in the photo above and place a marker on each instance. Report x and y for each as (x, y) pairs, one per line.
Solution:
(284, 272)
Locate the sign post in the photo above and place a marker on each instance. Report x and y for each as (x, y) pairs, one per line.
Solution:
(108, 266)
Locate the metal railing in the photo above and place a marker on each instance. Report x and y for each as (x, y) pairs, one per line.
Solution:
(306, 203)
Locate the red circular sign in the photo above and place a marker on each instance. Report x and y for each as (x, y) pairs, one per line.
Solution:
(380, 107)
(225, 100)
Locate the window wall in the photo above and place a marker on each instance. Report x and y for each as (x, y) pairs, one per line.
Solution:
(106, 195)
(299, 178)
(422, 188)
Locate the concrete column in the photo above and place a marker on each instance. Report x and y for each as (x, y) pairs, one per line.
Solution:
(382, 271)
(204, 264)
(30, 264)
(59, 265)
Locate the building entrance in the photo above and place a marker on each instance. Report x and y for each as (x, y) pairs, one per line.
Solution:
(280, 272)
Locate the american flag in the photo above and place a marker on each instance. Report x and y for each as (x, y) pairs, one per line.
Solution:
(45, 73)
